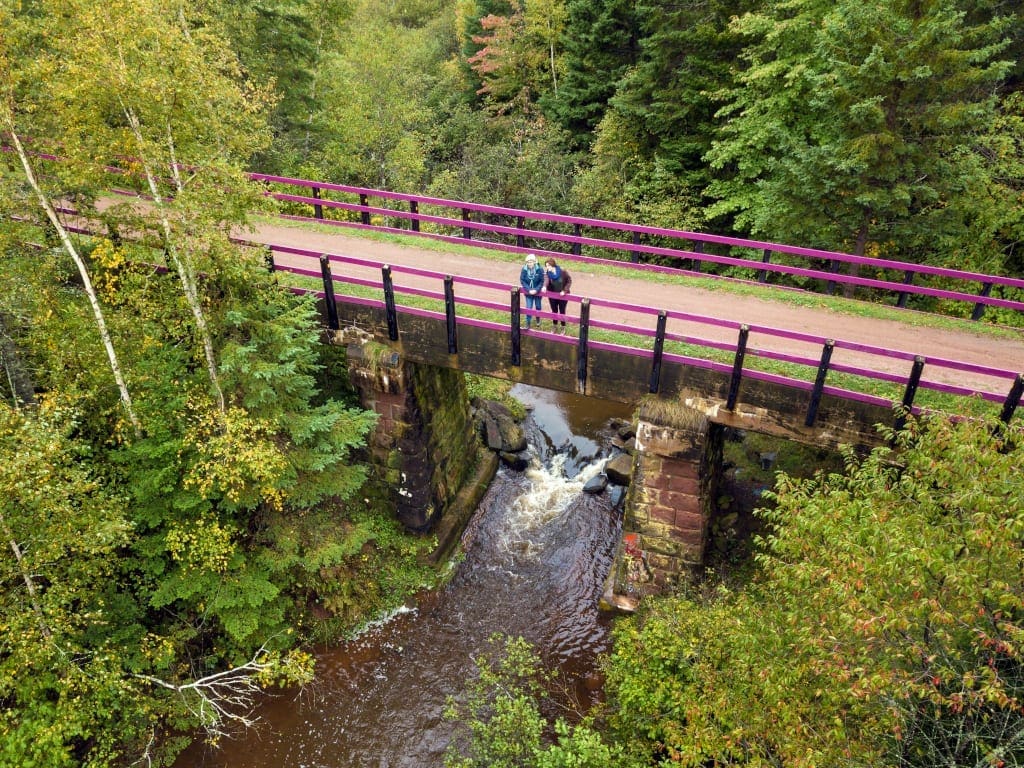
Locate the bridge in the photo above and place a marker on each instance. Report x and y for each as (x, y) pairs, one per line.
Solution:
(692, 374)
(645, 344)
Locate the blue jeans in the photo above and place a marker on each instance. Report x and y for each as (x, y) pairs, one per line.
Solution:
(532, 302)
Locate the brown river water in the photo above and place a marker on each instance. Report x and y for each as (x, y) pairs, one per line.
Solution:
(536, 554)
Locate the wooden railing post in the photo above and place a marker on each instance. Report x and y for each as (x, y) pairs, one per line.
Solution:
(737, 367)
(1012, 399)
(819, 382)
(318, 210)
(449, 315)
(766, 258)
(329, 300)
(414, 209)
(634, 256)
(698, 247)
(520, 240)
(908, 279)
(833, 267)
(467, 232)
(576, 246)
(516, 332)
(659, 348)
(910, 392)
(581, 347)
(364, 216)
(979, 308)
(389, 302)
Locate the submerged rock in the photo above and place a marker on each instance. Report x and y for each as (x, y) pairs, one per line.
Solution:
(620, 469)
(596, 484)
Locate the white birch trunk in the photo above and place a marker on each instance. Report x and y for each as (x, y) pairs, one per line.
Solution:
(97, 310)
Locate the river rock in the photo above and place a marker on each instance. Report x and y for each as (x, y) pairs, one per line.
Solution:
(498, 427)
(514, 461)
(620, 469)
(596, 484)
(616, 495)
(492, 434)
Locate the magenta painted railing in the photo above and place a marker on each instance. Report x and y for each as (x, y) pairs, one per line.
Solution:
(320, 264)
(974, 288)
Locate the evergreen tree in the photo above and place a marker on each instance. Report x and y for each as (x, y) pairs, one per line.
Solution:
(600, 43)
(687, 54)
(855, 125)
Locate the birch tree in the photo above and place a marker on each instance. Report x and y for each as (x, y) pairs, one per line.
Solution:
(9, 130)
(142, 83)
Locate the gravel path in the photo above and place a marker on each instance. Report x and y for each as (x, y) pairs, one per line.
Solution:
(962, 342)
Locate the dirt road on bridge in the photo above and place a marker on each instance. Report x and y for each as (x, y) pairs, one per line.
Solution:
(962, 342)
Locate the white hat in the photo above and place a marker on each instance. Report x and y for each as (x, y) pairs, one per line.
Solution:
(531, 258)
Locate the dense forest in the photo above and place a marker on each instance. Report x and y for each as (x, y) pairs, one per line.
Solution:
(184, 501)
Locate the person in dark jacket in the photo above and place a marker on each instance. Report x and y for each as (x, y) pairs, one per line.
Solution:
(531, 278)
(559, 283)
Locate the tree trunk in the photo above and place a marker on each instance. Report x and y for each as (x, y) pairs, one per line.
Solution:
(182, 266)
(30, 585)
(97, 310)
(18, 379)
(858, 250)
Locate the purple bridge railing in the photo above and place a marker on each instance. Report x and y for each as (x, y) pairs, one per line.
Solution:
(457, 221)
(505, 300)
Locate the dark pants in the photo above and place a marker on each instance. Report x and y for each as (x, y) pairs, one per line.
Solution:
(558, 305)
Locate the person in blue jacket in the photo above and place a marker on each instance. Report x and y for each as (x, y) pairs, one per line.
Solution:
(531, 278)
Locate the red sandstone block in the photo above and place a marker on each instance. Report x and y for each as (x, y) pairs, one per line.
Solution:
(690, 537)
(688, 485)
(680, 501)
(663, 514)
(682, 468)
(687, 519)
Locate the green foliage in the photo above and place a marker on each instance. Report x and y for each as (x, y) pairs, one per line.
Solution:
(883, 628)
(600, 41)
(60, 626)
(503, 726)
(490, 388)
(853, 125)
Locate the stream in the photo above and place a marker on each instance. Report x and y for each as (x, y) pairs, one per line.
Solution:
(536, 554)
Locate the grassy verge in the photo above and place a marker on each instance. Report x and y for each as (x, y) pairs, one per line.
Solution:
(793, 297)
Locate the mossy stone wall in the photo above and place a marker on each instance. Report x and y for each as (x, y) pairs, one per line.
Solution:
(424, 446)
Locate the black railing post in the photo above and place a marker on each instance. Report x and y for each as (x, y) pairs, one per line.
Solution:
(659, 349)
(364, 216)
(1012, 399)
(819, 382)
(269, 260)
(449, 314)
(389, 302)
(520, 224)
(910, 392)
(766, 258)
(414, 209)
(833, 267)
(577, 248)
(737, 367)
(516, 333)
(581, 347)
(467, 232)
(908, 279)
(698, 247)
(329, 300)
(979, 308)
(318, 210)
(634, 256)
